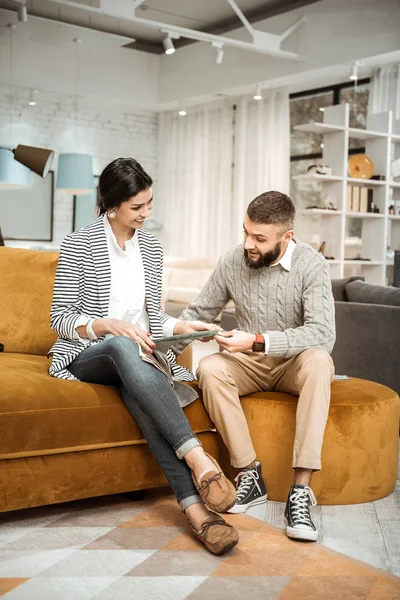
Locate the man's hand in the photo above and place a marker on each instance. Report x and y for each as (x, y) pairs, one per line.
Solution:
(190, 326)
(236, 341)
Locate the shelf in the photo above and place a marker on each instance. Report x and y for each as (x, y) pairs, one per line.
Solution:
(319, 211)
(367, 263)
(318, 177)
(364, 215)
(394, 184)
(394, 217)
(367, 182)
(333, 261)
(396, 138)
(365, 134)
(318, 128)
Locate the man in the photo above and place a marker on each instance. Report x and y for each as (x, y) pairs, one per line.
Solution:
(286, 329)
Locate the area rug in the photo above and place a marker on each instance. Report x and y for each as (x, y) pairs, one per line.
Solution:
(116, 549)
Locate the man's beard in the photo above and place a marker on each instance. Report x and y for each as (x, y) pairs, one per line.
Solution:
(264, 260)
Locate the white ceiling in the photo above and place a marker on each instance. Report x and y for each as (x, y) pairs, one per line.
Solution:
(211, 16)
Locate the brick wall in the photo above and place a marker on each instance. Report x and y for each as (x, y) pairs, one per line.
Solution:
(104, 132)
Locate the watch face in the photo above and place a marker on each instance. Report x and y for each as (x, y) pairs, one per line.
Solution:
(258, 347)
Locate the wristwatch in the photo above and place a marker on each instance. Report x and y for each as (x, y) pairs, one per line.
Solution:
(259, 343)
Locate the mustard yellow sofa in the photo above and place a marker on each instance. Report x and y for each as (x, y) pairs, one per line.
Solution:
(62, 440)
(66, 440)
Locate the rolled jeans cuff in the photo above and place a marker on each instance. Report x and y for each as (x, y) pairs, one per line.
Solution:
(186, 446)
(193, 499)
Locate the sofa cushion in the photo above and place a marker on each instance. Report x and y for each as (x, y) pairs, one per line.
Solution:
(339, 288)
(42, 415)
(27, 278)
(359, 291)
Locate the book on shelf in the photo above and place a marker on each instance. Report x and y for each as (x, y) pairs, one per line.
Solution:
(359, 199)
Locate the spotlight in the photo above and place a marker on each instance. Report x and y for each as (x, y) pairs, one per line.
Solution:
(257, 95)
(322, 109)
(182, 112)
(354, 72)
(32, 101)
(219, 57)
(22, 13)
(168, 45)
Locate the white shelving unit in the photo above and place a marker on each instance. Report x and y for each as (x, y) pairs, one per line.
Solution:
(379, 230)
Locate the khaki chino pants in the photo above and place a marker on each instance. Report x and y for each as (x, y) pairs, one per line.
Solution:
(223, 377)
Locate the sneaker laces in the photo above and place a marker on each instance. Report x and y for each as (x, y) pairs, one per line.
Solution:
(244, 481)
(300, 500)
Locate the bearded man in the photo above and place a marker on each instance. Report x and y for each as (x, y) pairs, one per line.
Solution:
(286, 330)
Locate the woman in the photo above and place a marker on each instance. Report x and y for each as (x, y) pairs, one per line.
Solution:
(106, 303)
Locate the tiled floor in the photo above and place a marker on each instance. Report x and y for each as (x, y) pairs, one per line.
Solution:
(114, 549)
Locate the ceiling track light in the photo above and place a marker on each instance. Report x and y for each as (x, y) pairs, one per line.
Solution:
(168, 44)
(219, 57)
(182, 111)
(354, 71)
(257, 95)
(32, 99)
(22, 13)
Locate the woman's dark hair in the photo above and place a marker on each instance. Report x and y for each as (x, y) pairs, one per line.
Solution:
(120, 180)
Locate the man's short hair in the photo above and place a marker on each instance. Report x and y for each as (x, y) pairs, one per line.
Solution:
(271, 208)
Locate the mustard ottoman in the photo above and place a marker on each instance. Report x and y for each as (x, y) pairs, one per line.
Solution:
(360, 450)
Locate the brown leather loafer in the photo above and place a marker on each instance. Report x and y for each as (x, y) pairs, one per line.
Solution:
(216, 534)
(216, 491)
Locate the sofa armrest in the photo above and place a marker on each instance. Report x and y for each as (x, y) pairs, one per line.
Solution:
(368, 342)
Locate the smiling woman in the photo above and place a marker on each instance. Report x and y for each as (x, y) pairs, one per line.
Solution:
(106, 311)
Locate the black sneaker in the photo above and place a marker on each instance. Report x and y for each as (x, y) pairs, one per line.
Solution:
(299, 525)
(250, 489)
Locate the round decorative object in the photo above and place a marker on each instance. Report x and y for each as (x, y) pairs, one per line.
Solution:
(360, 166)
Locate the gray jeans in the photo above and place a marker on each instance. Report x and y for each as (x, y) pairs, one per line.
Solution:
(151, 401)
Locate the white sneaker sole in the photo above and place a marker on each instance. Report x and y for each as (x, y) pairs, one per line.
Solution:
(307, 535)
(242, 508)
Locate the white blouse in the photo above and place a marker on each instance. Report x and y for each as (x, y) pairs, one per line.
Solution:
(127, 292)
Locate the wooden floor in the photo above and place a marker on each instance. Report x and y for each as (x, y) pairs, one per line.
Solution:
(368, 532)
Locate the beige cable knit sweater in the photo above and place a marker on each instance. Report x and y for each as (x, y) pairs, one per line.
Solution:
(295, 307)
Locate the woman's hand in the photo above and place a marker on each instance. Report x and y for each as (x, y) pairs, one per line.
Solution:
(191, 326)
(236, 341)
(122, 328)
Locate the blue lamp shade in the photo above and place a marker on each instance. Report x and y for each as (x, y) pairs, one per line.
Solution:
(75, 173)
(12, 173)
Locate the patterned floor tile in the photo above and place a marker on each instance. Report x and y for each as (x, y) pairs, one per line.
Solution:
(334, 588)
(47, 539)
(126, 538)
(96, 563)
(10, 583)
(240, 588)
(21, 563)
(385, 588)
(10, 535)
(151, 588)
(169, 562)
(269, 562)
(29, 518)
(102, 516)
(324, 562)
(60, 588)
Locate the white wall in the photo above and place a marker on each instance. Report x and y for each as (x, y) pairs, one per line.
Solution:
(105, 134)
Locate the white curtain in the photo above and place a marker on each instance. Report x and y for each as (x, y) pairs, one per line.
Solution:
(262, 150)
(195, 181)
(385, 90)
(212, 163)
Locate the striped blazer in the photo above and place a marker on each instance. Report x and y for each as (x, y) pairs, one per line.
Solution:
(82, 287)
